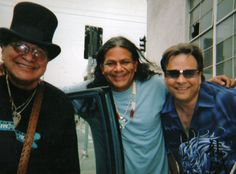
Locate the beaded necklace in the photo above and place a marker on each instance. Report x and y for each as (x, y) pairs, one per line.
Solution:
(130, 108)
(17, 110)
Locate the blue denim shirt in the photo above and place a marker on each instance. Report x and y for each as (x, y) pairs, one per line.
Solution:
(211, 145)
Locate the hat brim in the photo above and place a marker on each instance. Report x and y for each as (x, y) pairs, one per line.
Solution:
(6, 35)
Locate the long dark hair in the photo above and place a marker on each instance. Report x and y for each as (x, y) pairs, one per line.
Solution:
(144, 71)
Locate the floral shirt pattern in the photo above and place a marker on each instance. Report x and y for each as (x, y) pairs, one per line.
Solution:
(211, 144)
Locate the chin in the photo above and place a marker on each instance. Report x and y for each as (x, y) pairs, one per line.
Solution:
(26, 77)
(181, 97)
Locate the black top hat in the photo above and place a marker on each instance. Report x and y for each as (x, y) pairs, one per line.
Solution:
(33, 23)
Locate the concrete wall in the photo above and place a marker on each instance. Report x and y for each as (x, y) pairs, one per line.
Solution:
(123, 17)
(166, 25)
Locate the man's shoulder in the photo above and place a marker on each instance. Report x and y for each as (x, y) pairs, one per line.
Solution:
(52, 88)
(155, 82)
(154, 79)
(157, 77)
(215, 89)
(54, 93)
(55, 96)
(213, 94)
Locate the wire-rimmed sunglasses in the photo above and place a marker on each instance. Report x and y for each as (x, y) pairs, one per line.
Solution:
(23, 48)
(188, 73)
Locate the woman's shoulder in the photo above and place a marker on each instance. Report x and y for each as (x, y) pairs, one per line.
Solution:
(157, 77)
(155, 82)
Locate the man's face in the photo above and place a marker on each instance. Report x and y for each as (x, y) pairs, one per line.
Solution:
(185, 87)
(25, 62)
(119, 68)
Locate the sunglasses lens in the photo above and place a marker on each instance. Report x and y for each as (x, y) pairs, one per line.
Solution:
(186, 73)
(20, 48)
(173, 73)
(189, 73)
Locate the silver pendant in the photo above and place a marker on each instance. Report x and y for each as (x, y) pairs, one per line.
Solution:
(122, 121)
(16, 118)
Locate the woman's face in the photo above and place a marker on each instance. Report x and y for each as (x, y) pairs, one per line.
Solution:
(119, 68)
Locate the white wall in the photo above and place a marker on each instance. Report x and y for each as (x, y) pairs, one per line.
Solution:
(123, 17)
(166, 25)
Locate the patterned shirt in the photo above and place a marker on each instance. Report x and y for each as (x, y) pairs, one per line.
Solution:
(211, 144)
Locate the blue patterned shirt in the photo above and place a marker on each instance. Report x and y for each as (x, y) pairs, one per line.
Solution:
(211, 145)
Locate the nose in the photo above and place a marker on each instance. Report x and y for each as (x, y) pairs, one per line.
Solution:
(29, 56)
(181, 78)
(118, 67)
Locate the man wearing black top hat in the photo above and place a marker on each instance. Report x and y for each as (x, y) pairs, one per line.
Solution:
(26, 49)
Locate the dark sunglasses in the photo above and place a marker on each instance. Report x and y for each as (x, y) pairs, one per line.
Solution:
(23, 48)
(188, 73)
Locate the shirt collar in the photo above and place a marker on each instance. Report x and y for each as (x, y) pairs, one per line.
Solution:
(205, 99)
